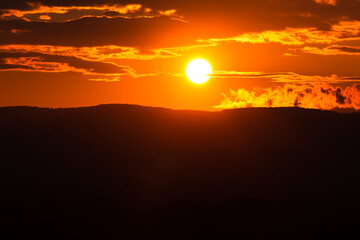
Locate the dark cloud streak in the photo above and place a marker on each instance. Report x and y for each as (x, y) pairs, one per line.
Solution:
(141, 32)
(89, 67)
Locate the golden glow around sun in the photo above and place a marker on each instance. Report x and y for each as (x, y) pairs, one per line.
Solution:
(198, 71)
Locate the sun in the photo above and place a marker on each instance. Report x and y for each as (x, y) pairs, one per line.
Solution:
(198, 71)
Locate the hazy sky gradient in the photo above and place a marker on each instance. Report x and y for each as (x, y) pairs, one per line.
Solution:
(80, 53)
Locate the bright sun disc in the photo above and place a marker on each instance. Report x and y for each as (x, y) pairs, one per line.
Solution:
(198, 71)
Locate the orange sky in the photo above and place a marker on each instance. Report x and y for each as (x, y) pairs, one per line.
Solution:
(95, 52)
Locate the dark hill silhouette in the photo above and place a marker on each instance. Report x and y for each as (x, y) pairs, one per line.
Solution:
(131, 172)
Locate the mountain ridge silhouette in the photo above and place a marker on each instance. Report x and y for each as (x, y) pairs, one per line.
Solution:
(153, 173)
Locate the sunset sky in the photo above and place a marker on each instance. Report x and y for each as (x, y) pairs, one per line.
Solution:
(264, 53)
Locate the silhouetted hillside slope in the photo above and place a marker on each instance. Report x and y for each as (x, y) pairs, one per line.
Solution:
(131, 172)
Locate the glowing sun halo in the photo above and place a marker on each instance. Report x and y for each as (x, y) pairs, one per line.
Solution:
(198, 71)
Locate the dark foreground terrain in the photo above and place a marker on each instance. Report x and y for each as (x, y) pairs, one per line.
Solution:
(130, 172)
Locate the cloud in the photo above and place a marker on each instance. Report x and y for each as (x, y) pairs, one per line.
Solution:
(236, 74)
(105, 79)
(316, 96)
(333, 50)
(40, 12)
(44, 17)
(342, 31)
(97, 53)
(40, 62)
(303, 79)
(110, 78)
(144, 33)
(19, 31)
(236, 11)
(328, 2)
(173, 14)
(284, 77)
(146, 24)
(36, 64)
(107, 53)
(47, 63)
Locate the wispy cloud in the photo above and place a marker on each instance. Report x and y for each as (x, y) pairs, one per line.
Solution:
(97, 71)
(333, 50)
(285, 77)
(328, 2)
(236, 74)
(50, 64)
(100, 53)
(97, 53)
(112, 78)
(40, 12)
(343, 31)
(36, 64)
